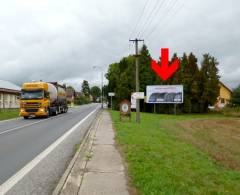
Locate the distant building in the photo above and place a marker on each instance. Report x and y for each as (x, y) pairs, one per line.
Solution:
(70, 96)
(9, 93)
(224, 97)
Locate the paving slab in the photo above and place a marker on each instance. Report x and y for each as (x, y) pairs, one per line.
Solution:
(95, 183)
(98, 168)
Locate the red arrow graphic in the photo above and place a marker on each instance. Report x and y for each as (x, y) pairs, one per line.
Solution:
(165, 70)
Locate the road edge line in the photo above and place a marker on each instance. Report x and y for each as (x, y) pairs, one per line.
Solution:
(7, 185)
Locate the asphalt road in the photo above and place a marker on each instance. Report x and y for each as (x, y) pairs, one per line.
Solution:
(22, 140)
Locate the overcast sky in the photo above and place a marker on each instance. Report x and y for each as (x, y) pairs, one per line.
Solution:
(61, 40)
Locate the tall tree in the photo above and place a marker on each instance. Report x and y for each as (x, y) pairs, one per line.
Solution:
(95, 92)
(85, 88)
(210, 82)
(190, 71)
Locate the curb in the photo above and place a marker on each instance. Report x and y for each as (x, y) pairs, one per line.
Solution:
(67, 172)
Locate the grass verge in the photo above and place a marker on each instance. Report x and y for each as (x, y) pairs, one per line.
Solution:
(163, 161)
(8, 113)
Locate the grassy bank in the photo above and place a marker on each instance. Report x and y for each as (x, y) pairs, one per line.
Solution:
(187, 154)
(8, 113)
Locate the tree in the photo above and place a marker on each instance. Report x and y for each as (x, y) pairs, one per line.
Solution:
(209, 82)
(235, 99)
(70, 88)
(95, 92)
(190, 81)
(85, 88)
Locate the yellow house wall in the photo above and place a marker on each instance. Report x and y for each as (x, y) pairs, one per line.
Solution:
(224, 93)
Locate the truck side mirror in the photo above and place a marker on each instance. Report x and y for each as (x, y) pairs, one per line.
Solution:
(47, 95)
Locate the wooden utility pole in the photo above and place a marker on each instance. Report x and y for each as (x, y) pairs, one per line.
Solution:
(137, 77)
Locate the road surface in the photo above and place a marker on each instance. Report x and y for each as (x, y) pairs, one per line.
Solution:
(30, 160)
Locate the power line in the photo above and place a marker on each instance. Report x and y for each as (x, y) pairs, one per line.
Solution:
(149, 16)
(169, 9)
(167, 22)
(154, 16)
(140, 17)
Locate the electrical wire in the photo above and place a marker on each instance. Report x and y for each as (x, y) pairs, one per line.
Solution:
(154, 16)
(166, 14)
(167, 22)
(140, 17)
(149, 16)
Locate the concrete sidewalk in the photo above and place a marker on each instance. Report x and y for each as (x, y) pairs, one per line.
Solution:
(97, 168)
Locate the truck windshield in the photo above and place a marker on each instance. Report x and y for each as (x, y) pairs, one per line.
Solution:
(28, 95)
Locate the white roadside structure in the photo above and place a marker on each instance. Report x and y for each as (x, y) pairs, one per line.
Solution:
(9, 93)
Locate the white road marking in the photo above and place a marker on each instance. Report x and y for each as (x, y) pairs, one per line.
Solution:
(17, 118)
(7, 185)
(16, 128)
(29, 124)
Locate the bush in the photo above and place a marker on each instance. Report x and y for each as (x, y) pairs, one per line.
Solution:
(231, 111)
(82, 100)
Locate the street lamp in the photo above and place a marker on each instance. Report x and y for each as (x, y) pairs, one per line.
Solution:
(100, 68)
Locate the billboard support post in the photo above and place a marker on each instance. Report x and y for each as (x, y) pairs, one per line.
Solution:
(111, 94)
(111, 103)
(175, 109)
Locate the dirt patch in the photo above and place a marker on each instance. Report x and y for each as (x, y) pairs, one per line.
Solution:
(220, 138)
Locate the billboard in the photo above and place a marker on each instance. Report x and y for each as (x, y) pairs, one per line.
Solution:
(165, 94)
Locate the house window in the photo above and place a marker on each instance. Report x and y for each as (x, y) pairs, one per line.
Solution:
(222, 101)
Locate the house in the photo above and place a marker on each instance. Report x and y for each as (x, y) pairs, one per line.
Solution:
(224, 97)
(9, 94)
(70, 92)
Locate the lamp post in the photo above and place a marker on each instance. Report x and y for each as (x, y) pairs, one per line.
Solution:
(100, 68)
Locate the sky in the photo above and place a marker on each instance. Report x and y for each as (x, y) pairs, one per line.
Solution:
(62, 40)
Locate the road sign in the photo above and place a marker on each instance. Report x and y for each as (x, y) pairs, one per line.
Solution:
(165, 70)
(138, 95)
(111, 94)
(125, 109)
(133, 102)
(134, 97)
(165, 94)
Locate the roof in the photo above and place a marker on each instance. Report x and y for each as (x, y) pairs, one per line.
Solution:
(221, 83)
(9, 86)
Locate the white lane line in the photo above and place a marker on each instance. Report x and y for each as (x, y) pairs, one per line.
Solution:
(6, 186)
(13, 119)
(29, 124)
(16, 128)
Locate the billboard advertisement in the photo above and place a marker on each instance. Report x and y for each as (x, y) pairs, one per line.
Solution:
(165, 94)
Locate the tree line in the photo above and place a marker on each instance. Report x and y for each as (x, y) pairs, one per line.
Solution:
(200, 81)
(84, 96)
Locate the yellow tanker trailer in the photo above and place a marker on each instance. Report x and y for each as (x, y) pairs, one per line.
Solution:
(42, 99)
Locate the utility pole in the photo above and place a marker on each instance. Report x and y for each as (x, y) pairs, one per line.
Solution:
(102, 93)
(102, 90)
(137, 77)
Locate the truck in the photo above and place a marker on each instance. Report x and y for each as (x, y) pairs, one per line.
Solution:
(42, 99)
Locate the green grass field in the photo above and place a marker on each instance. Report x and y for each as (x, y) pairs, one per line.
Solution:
(185, 154)
(8, 113)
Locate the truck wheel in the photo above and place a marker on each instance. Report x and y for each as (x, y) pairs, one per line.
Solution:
(25, 117)
(48, 113)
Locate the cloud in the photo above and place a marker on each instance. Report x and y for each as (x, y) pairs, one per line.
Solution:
(62, 40)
